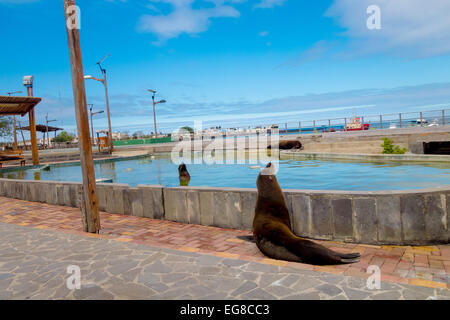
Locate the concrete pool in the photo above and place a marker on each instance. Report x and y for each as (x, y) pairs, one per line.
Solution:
(411, 215)
(311, 174)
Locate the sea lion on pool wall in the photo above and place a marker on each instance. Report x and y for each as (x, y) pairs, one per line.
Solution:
(184, 175)
(272, 229)
(288, 145)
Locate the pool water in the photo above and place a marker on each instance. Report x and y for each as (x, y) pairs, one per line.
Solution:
(292, 174)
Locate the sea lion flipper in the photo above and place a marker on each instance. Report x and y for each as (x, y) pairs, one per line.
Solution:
(350, 257)
(307, 251)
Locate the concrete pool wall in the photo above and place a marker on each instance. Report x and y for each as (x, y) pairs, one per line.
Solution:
(416, 217)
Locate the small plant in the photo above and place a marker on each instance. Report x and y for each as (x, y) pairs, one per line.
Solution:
(389, 148)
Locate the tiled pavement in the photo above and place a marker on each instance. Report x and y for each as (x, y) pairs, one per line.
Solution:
(34, 265)
(426, 268)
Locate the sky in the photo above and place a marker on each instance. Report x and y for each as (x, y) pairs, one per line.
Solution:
(231, 62)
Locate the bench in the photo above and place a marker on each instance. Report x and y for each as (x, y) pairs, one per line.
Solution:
(12, 156)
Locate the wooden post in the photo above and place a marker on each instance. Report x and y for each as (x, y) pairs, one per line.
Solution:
(89, 198)
(400, 118)
(381, 121)
(299, 127)
(15, 133)
(32, 120)
(23, 138)
(443, 117)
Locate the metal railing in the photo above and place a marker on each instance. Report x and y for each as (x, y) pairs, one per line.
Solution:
(369, 122)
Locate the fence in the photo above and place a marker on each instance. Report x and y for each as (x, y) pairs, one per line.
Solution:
(141, 141)
(372, 122)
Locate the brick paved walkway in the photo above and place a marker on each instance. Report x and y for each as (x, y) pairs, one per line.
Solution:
(419, 266)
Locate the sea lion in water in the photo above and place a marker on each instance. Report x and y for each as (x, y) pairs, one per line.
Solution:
(184, 175)
(272, 229)
(288, 145)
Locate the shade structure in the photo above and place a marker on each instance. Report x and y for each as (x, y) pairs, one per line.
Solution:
(42, 128)
(10, 106)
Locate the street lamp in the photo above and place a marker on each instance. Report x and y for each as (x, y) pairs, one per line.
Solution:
(89, 77)
(154, 110)
(47, 121)
(92, 122)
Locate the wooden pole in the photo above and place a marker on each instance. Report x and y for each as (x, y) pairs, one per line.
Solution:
(48, 137)
(32, 120)
(23, 138)
(110, 140)
(88, 194)
(15, 133)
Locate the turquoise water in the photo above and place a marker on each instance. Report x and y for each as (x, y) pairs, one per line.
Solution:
(292, 174)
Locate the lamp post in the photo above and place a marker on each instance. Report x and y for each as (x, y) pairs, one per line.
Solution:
(28, 83)
(14, 121)
(47, 121)
(103, 71)
(154, 109)
(92, 122)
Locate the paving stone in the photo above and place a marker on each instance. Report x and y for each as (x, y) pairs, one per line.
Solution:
(87, 291)
(306, 283)
(354, 294)
(279, 291)
(245, 287)
(131, 291)
(259, 267)
(314, 295)
(258, 294)
(388, 295)
(157, 267)
(329, 289)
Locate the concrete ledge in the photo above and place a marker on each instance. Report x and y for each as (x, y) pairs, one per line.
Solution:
(412, 217)
(366, 157)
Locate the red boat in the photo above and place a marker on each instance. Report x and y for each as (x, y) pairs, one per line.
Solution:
(356, 125)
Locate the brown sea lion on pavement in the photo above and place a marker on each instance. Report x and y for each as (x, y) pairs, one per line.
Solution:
(184, 175)
(272, 229)
(288, 145)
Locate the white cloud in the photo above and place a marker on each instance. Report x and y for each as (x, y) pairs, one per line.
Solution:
(409, 28)
(263, 33)
(185, 19)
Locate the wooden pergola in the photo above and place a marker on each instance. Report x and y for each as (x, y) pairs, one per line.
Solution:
(42, 128)
(15, 106)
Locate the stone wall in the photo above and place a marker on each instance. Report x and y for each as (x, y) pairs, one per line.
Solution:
(402, 217)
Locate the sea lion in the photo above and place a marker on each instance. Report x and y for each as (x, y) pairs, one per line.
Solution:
(184, 175)
(288, 145)
(272, 229)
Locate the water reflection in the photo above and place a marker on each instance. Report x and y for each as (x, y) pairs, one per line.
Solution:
(108, 171)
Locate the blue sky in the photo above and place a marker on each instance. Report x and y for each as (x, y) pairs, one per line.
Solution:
(235, 62)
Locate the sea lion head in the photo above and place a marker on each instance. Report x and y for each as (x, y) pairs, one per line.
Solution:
(182, 168)
(267, 183)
